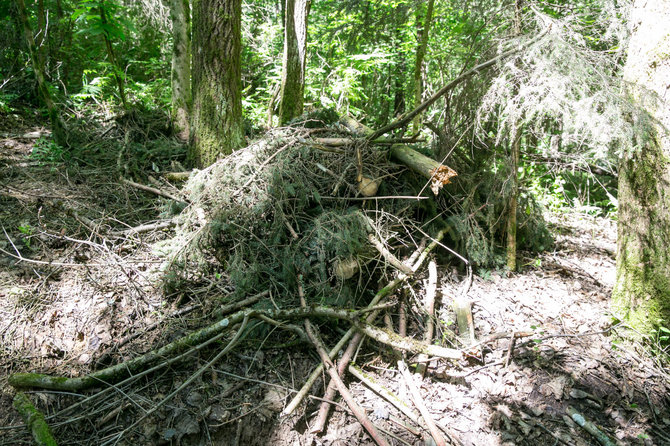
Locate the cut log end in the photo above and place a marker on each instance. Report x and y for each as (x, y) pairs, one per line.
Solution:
(443, 174)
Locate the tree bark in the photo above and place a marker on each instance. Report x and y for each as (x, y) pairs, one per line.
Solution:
(295, 51)
(642, 290)
(423, 34)
(216, 123)
(180, 12)
(57, 127)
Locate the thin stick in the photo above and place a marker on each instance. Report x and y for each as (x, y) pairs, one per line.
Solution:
(431, 292)
(418, 402)
(397, 402)
(152, 190)
(331, 391)
(407, 117)
(388, 255)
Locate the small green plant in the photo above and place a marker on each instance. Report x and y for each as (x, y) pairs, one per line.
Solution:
(27, 231)
(46, 150)
(5, 101)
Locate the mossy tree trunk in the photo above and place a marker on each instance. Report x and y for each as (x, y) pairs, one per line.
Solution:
(180, 13)
(295, 54)
(642, 291)
(216, 119)
(57, 127)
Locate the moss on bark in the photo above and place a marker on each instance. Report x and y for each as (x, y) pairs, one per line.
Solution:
(642, 291)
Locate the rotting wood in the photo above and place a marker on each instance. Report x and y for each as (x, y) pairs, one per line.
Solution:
(34, 420)
(466, 329)
(178, 176)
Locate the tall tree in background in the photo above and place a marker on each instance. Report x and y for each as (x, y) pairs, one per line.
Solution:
(423, 25)
(216, 124)
(295, 52)
(180, 14)
(515, 148)
(642, 289)
(107, 30)
(57, 127)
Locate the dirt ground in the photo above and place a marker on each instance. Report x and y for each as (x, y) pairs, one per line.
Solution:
(78, 293)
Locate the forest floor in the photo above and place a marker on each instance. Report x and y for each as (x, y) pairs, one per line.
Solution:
(73, 292)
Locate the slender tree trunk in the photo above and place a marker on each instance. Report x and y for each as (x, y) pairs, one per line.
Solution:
(112, 59)
(513, 200)
(180, 13)
(216, 123)
(423, 33)
(295, 53)
(42, 35)
(642, 290)
(514, 167)
(57, 127)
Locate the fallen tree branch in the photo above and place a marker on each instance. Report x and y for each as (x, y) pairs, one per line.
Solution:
(152, 190)
(589, 427)
(34, 419)
(418, 402)
(117, 372)
(409, 116)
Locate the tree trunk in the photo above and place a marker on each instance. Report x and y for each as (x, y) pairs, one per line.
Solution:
(642, 290)
(216, 123)
(120, 82)
(57, 127)
(420, 54)
(514, 167)
(295, 48)
(181, 67)
(513, 200)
